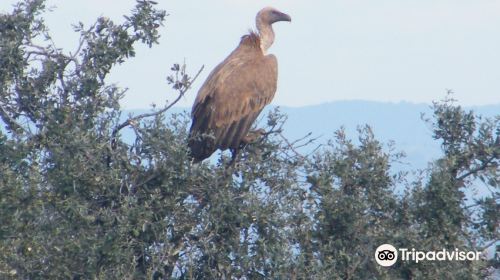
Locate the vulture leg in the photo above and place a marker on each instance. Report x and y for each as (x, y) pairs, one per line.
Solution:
(234, 156)
(251, 137)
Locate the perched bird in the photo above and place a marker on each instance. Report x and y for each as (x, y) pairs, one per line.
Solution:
(236, 91)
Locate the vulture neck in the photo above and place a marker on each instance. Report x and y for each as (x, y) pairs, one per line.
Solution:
(266, 35)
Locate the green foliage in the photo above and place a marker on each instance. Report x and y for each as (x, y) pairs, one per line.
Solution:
(79, 202)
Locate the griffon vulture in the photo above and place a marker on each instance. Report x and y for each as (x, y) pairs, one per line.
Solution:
(236, 91)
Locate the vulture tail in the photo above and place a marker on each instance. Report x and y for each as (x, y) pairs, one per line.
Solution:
(201, 147)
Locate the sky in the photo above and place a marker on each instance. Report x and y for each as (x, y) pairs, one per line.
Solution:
(385, 50)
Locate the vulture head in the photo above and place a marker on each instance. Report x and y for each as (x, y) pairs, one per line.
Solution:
(265, 18)
(270, 15)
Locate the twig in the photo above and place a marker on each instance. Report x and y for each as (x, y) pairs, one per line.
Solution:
(11, 122)
(132, 120)
(76, 53)
(43, 53)
(302, 138)
(315, 150)
(488, 245)
(307, 143)
(483, 166)
(291, 147)
(472, 205)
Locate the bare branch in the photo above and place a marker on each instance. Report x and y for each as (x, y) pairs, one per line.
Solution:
(10, 121)
(302, 138)
(483, 166)
(133, 120)
(73, 57)
(488, 245)
(290, 145)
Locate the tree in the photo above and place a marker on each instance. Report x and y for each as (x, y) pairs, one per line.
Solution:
(78, 200)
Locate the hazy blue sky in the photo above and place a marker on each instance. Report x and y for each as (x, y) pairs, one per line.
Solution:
(386, 50)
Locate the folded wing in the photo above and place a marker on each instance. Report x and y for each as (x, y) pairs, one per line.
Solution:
(231, 98)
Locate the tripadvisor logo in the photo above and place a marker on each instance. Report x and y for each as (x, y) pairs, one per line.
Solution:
(387, 255)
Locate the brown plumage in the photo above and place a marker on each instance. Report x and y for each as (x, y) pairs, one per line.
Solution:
(236, 91)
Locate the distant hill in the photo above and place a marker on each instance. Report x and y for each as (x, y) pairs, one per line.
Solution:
(398, 122)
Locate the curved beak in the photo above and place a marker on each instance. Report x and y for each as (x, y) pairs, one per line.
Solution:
(278, 16)
(284, 17)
